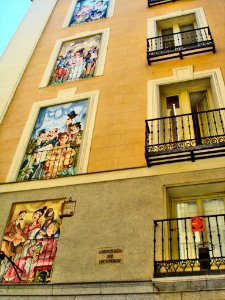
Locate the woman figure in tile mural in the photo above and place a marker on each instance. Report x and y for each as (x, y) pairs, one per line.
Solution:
(89, 10)
(74, 58)
(77, 65)
(54, 147)
(38, 251)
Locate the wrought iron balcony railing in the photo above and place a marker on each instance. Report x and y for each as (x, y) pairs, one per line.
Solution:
(156, 2)
(185, 137)
(180, 44)
(189, 246)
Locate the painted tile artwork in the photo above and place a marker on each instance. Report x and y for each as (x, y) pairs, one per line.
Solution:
(29, 242)
(54, 146)
(76, 60)
(89, 10)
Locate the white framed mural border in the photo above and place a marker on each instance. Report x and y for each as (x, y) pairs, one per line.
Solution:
(82, 164)
(58, 45)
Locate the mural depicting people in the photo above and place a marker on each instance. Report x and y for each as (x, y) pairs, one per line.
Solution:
(86, 9)
(73, 57)
(40, 236)
(54, 147)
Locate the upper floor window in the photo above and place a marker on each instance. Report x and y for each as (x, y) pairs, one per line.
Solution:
(188, 117)
(178, 34)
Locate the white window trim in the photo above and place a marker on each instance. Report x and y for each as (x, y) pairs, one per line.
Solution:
(64, 96)
(181, 75)
(199, 15)
(73, 5)
(101, 56)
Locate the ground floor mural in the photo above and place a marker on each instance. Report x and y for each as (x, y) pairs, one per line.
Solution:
(29, 242)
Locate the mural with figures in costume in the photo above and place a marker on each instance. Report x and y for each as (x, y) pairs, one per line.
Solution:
(54, 146)
(89, 10)
(77, 59)
(29, 242)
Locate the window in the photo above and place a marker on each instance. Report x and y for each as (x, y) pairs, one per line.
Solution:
(57, 138)
(82, 11)
(184, 25)
(78, 57)
(186, 117)
(178, 34)
(214, 226)
(194, 96)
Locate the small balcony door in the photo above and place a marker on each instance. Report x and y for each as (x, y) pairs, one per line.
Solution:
(168, 38)
(193, 100)
(214, 230)
(188, 35)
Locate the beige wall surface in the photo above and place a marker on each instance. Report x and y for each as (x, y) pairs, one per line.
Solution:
(119, 130)
(114, 214)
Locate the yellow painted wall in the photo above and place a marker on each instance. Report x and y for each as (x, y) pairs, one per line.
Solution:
(119, 132)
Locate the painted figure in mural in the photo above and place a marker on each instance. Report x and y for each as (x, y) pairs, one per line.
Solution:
(89, 10)
(13, 238)
(49, 219)
(77, 65)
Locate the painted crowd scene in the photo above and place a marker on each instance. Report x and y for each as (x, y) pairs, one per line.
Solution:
(89, 10)
(29, 242)
(54, 146)
(77, 59)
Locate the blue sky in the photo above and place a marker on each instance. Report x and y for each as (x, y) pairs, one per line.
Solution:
(11, 14)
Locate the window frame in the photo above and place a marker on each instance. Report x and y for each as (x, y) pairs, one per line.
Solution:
(198, 12)
(180, 75)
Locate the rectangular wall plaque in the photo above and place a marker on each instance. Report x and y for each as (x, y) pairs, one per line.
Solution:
(109, 256)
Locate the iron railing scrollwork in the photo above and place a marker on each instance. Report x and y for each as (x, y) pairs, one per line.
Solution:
(178, 249)
(202, 134)
(179, 44)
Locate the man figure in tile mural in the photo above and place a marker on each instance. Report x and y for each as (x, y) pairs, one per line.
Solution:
(55, 150)
(13, 238)
(37, 251)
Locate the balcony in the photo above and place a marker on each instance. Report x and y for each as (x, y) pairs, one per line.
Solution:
(156, 2)
(179, 44)
(185, 137)
(189, 246)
